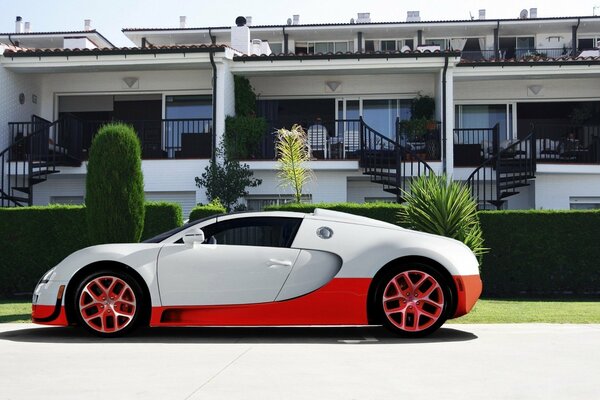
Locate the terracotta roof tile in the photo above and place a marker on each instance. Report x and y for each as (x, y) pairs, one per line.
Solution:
(116, 50)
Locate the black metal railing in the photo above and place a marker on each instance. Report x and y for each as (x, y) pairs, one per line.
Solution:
(515, 54)
(504, 170)
(338, 139)
(160, 139)
(474, 145)
(388, 162)
(29, 160)
(567, 143)
(423, 139)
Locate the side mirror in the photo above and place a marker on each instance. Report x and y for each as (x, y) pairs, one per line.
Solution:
(194, 236)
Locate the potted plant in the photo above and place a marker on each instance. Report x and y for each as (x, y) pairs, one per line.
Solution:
(423, 107)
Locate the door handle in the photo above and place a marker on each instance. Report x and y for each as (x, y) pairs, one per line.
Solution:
(273, 263)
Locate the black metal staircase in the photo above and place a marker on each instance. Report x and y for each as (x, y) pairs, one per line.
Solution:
(504, 172)
(37, 149)
(389, 163)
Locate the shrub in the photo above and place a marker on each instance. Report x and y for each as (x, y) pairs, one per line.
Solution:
(243, 135)
(245, 98)
(292, 156)
(48, 234)
(442, 207)
(161, 217)
(381, 211)
(203, 211)
(115, 186)
(541, 253)
(227, 181)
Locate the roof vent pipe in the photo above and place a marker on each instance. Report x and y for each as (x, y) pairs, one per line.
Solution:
(19, 25)
(249, 20)
(533, 13)
(482, 14)
(87, 25)
(182, 20)
(289, 21)
(27, 27)
(296, 19)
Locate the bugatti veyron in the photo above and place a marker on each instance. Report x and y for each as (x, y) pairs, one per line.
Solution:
(265, 269)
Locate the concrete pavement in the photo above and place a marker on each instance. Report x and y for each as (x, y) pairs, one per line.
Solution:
(524, 361)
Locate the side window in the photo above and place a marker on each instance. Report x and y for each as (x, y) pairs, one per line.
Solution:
(259, 231)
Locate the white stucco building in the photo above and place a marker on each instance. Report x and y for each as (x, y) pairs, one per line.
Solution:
(517, 104)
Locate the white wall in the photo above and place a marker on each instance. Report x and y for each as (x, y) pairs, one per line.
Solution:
(197, 81)
(359, 188)
(11, 85)
(553, 190)
(516, 89)
(314, 85)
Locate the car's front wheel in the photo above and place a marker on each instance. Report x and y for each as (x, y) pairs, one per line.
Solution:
(414, 300)
(108, 303)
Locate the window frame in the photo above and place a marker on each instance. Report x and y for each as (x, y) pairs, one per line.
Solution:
(220, 226)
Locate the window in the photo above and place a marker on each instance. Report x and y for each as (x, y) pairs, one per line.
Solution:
(254, 231)
(588, 43)
(276, 48)
(443, 43)
(324, 47)
(387, 44)
(484, 116)
(185, 107)
(584, 203)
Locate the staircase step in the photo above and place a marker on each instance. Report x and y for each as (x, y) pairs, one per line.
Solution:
(504, 195)
(512, 186)
(510, 178)
(17, 199)
(43, 173)
(22, 189)
(395, 191)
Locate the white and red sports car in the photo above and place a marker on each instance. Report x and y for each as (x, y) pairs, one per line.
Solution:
(261, 269)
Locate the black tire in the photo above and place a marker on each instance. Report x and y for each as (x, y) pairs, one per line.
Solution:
(109, 303)
(417, 312)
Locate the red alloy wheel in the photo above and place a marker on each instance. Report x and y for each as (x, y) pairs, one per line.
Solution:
(413, 301)
(107, 304)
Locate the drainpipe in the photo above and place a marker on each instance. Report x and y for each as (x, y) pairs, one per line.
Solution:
(574, 38)
(213, 39)
(444, 165)
(213, 141)
(359, 39)
(497, 40)
(286, 46)
(11, 41)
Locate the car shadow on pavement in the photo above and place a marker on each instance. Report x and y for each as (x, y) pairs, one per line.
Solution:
(243, 335)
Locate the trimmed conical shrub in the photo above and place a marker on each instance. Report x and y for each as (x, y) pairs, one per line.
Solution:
(115, 186)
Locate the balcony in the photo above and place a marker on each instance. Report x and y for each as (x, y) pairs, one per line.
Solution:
(160, 139)
(505, 54)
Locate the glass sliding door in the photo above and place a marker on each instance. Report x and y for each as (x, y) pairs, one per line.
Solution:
(188, 126)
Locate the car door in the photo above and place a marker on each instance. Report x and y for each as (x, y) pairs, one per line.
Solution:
(244, 260)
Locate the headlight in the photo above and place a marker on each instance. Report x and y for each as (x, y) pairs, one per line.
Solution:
(47, 276)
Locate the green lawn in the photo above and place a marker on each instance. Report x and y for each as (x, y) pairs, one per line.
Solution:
(519, 311)
(485, 312)
(15, 311)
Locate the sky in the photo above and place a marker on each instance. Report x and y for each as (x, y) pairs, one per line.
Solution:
(110, 16)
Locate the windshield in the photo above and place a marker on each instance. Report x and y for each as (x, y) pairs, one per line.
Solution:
(166, 235)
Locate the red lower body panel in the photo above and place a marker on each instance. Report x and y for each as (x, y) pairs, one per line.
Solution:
(469, 289)
(49, 315)
(343, 301)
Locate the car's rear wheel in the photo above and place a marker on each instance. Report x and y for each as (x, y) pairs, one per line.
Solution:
(414, 300)
(108, 303)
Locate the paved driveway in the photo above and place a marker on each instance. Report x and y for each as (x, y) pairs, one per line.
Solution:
(525, 361)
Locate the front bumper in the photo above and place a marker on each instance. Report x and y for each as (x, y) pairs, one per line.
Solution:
(47, 304)
(468, 289)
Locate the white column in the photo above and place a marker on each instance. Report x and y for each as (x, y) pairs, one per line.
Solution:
(225, 99)
(449, 120)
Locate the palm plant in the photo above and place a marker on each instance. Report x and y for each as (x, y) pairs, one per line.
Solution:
(292, 154)
(443, 207)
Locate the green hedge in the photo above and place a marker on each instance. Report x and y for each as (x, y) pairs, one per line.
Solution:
(540, 253)
(34, 239)
(382, 211)
(204, 211)
(532, 252)
(160, 217)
